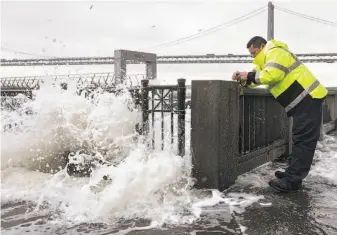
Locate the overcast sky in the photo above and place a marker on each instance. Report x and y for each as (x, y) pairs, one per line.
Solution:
(97, 28)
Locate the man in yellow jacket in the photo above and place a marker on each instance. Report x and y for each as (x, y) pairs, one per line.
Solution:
(299, 92)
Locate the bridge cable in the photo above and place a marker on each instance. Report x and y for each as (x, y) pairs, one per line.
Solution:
(25, 53)
(318, 20)
(214, 28)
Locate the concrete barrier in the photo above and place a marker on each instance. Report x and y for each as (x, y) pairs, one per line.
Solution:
(214, 135)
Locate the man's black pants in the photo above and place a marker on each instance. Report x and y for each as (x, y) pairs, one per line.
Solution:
(306, 132)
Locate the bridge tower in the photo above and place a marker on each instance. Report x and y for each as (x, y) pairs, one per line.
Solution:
(270, 26)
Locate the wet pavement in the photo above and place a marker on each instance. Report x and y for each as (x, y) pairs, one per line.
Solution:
(303, 212)
(311, 211)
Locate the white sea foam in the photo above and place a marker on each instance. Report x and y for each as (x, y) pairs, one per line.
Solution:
(155, 185)
(143, 184)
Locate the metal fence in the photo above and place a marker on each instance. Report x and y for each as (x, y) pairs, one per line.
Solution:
(104, 81)
(264, 124)
(259, 115)
(168, 101)
(85, 83)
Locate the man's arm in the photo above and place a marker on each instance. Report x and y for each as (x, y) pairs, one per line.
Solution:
(250, 84)
(273, 70)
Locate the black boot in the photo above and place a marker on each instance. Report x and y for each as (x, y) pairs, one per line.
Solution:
(280, 174)
(284, 185)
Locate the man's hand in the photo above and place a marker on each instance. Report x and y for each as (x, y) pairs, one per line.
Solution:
(235, 76)
(240, 75)
(243, 76)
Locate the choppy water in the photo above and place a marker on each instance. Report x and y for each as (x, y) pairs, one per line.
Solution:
(149, 192)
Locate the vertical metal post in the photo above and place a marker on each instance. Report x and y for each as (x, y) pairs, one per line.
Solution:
(145, 106)
(242, 122)
(181, 95)
(136, 96)
(153, 120)
(162, 118)
(270, 29)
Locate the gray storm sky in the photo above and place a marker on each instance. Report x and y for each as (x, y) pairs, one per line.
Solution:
(71, 28)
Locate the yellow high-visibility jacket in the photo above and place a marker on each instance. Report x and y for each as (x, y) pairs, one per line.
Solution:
(286, 77)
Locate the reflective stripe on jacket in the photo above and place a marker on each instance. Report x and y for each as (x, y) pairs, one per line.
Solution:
(286, 77)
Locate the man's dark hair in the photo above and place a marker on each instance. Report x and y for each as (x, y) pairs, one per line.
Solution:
(256, 41)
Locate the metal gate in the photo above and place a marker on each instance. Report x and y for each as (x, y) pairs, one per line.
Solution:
(169, 100)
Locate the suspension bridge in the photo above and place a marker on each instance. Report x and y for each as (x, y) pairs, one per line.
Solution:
(188, 59)
(180, 59)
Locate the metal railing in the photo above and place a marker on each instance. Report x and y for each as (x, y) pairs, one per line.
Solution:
(166, 100)
(259, 115)
(14, 85)
(263, 122)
